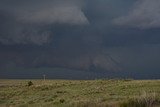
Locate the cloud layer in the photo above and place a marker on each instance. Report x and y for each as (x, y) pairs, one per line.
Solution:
(64, 12)
(79, 34)
(29, 22)
(145, 14)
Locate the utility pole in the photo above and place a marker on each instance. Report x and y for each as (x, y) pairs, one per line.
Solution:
(44, 77)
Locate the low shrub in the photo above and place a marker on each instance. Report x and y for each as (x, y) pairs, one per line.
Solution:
(30, 83)
(61, 100)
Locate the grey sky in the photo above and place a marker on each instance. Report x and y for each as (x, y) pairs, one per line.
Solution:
(90, 35)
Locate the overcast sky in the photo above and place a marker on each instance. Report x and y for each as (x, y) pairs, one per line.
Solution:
(89, 35)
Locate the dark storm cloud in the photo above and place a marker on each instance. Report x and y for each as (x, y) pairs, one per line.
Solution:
(91, 35)
(26, 22)
(40, 22)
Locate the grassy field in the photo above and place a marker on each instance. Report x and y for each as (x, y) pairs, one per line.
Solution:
(82, 93)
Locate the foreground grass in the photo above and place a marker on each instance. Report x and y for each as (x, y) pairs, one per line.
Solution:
(65, 93)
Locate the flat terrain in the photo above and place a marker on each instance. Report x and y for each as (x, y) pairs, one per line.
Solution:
(79, 93)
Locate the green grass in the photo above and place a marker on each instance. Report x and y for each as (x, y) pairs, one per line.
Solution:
(82, 93)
